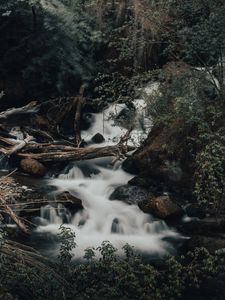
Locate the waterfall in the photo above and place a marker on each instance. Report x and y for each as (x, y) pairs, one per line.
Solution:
(103, 219)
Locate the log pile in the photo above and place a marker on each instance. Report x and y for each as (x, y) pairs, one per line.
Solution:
(42, 142)
(43, 124)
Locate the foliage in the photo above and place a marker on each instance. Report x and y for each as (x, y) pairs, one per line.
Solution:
(198, 31)
(103, 274)
(193, 100)
(210, 177)
(190, 95)
(48, 44)
(118, 88)
(66, 237)
(132, 32)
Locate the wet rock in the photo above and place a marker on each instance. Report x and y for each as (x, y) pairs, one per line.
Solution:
(115, 228)
(69, 201)
(194, 210)
(157, 155)
(207, 226)
(210, 243)
(40, 121)
(129, 194)
(98, 138)
(154, 186)
(126, 115)
(33, 167)
(162, 207)
(131, 165)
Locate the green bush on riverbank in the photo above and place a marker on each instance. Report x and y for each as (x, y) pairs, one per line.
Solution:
(111, 276)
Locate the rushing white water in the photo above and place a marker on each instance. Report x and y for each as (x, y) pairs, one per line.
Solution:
(104, 122)
(103, 219)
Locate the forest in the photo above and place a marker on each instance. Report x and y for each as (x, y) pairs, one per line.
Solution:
(112, 149)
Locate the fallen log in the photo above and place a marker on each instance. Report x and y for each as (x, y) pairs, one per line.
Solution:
(8, 141)
(8, 210)
(118, 150)
(16, 145)
(19, 146)
(30, 108)
(45, 147)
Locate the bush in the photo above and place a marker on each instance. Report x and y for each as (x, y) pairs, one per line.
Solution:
(194, 100)
(49, 45)
(197, 35)
(103, 274)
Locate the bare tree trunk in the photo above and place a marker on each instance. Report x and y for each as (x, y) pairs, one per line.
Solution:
(77, 119)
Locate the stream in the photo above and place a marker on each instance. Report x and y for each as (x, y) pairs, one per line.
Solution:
(93, 182)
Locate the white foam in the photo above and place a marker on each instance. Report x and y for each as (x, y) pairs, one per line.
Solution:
(103, 219)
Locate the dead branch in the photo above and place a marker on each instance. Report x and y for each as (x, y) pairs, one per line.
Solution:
(30, 108)
(79, 106)
(7, 141)
(17, 147)
(61, 116)
(22, 226)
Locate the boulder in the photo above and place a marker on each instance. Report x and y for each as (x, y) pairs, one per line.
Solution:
(33, 167)
(126, 115)
(162, 155)
(212, 244)
(194, 210)
(69, 201)
(207, 226)
(162, 207)
(98, 138)
(129, 194)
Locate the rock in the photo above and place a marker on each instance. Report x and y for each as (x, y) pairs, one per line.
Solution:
(162, 207)
(126, 115)
(98, 138)
(159, 154)
(40, 121)
(194, 210)
(207, 226)
(151, 184)
(129, 194)
(130, 165)
(210, 243)
(33, 167)
(69, 201)
(163, 164)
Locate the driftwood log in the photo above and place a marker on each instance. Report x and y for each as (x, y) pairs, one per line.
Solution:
(61, 154)
(30, 108)
(53, 151)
